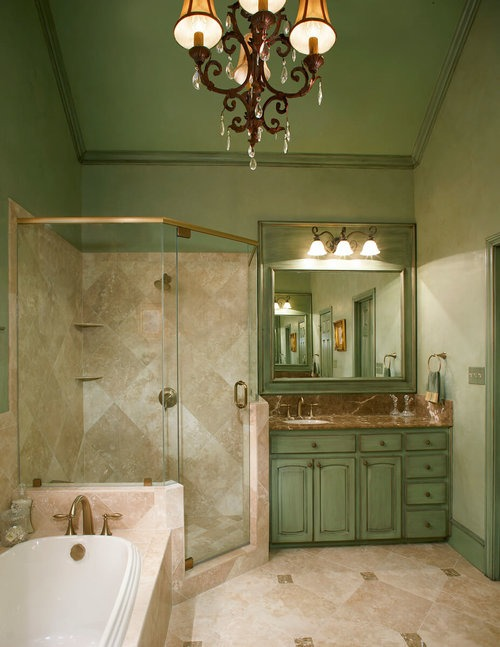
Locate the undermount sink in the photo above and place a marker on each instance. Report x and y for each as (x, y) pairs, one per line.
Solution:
(307, 421)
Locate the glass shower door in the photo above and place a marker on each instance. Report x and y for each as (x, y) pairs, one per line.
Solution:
(216, 280)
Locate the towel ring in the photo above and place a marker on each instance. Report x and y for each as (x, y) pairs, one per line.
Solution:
(439, 357)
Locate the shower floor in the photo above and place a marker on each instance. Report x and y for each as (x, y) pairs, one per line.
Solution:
(209, 536)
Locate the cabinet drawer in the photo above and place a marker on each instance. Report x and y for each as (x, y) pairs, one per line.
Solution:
(425, 493)
(430, 466)
(380, 442)
(426, 523)
(313, 444)
(427, 440)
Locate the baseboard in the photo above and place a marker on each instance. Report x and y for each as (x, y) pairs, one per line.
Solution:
(468, 544)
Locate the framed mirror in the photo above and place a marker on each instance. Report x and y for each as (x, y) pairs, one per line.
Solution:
(337, 322)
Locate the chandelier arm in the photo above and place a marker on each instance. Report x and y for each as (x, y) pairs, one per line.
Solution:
(238, 123)
(273, 125)
(296, 74)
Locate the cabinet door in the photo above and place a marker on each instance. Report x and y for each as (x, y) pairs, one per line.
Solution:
(380, 497)
(291, 500)
(334, 499)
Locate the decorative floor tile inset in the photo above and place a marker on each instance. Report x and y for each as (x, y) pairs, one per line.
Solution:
(285, 579)
(368, 575)
(304, 642)
(413, 640)
(450, 572)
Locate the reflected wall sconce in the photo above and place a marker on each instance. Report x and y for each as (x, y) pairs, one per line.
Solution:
(343, 245)
(282, 304)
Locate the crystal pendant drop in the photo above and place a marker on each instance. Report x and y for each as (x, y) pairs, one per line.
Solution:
(229, 22)
(288, 134)
(294, 55)
(230, 68)
(196, 79)
(258, 111)
(286, 28)
(251, 151)
(260, 130)
(285, 145)
(253, 164)
(264, 52)
(220, 47)
(228, 144)
(222, 126)
(284, 73)
(320, 93)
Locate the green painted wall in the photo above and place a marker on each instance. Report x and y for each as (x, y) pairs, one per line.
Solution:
(38, 167)
(457, 198)
(234, 199)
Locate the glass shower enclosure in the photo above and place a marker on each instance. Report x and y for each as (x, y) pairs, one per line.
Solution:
(136, 363)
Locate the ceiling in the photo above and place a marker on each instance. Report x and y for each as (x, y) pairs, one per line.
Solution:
(127, 92)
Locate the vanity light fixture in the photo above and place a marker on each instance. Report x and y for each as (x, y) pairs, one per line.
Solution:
(282, 304)
(267, 31)
(342, 245)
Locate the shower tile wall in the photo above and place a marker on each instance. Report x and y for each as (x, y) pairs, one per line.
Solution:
(50, 350)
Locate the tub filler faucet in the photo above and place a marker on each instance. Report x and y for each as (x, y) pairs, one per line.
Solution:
(88, 523)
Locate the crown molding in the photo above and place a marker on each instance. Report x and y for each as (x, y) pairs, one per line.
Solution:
(182, 158)
(312, 160)
(444, 79)
(49, 31)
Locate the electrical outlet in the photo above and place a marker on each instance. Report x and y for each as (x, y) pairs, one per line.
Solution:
(477, 375)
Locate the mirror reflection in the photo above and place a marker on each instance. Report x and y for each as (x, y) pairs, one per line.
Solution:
(337, 307)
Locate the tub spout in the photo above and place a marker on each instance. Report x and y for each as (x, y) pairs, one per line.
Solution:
(88, 523)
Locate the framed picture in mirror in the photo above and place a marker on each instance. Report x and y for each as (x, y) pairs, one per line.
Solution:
(339, 330)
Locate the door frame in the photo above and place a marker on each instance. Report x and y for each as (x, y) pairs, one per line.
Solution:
(492, 499)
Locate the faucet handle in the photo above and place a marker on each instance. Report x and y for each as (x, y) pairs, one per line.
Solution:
(70, 530)
(287, 409)
(313, 404)
(105, 526)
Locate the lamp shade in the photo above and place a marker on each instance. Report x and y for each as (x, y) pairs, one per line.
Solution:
(312, 32)
(317, 248)
(241, 70)
(198, 24)
(343, 248)
(252, 6)
(370, 248)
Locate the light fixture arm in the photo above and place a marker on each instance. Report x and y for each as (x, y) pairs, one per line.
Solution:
(267, 33)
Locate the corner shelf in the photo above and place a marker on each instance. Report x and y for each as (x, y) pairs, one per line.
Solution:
(83, 324)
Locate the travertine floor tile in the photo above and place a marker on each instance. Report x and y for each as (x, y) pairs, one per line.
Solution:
(323, 600)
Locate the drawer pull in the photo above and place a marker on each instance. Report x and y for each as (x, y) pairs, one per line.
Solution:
(427, 442)
(314, 444)
(427, 524)
(428, 467)
(382, 443)
(427, 494)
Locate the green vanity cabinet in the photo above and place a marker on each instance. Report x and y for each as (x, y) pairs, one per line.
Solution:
(380, 497)
(357, 486)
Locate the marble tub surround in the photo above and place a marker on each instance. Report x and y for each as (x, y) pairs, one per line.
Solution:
(153, 519)
(347, 411)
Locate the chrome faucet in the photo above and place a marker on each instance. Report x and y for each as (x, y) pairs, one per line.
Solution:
(88, 523)
(299, 407)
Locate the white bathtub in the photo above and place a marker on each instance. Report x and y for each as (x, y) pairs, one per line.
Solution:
(48, 598)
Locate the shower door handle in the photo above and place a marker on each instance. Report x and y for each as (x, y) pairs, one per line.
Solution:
(240, 402)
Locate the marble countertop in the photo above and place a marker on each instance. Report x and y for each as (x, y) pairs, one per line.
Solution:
(349, 421)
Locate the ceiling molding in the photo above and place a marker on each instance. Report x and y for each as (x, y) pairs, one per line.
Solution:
(49, 31)
(444, 79)
(182, 158)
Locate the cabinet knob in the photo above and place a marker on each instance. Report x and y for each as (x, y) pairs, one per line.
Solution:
(427, 524)
(309, 464)
(314, 444)
(318, 464)
(427, 442)
(365, 463)
(428, 467)
(427, 494)
(382, 443)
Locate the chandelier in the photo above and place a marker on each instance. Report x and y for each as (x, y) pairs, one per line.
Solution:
(258, 105)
